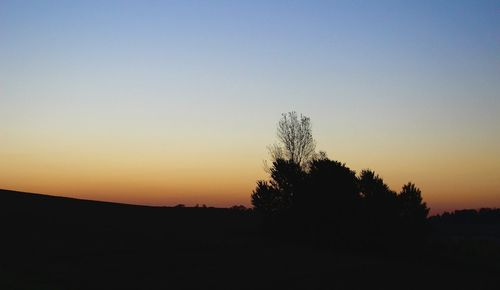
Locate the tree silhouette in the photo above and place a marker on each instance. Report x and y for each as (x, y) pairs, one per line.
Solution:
(277, 195)
(295, 139)
(289, 160)
(266, 198)
(484, 216)
(412, 210)
(373, 188)
(287, 177)
(313, 196)
(331, 197)
(379, 203)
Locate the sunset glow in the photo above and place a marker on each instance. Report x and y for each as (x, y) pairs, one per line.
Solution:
(162, 103)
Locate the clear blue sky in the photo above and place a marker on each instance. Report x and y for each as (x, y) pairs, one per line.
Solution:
(410, 89)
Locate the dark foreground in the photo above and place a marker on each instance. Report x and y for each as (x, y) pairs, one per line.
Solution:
(60, 243)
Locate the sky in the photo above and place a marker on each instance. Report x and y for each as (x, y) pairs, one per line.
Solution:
(167, 102)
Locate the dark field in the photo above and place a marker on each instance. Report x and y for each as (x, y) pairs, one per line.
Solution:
(61, 243)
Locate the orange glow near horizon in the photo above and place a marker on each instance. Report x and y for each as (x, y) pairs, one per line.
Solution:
(227, 177)
(175, 102)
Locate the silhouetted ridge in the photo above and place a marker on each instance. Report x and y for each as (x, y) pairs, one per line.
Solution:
(11, 196)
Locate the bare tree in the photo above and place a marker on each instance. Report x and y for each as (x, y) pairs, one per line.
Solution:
(295, 139)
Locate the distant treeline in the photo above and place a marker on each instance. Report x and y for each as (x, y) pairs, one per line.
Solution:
(470, 216)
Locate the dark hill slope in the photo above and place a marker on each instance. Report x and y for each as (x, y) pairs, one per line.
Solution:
(28, 209)
(62, 243)
(67, 243)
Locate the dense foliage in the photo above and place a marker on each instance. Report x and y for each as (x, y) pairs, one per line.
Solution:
(324, 199)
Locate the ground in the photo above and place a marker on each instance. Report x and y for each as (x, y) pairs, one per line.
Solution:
(60, 243)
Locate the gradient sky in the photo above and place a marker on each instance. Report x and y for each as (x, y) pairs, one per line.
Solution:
(166, 102)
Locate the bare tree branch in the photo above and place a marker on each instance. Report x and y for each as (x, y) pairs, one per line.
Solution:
(295, 139)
